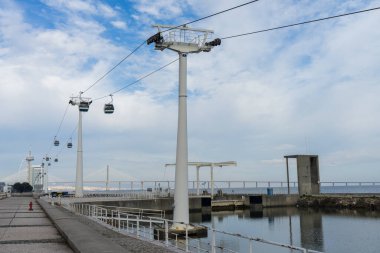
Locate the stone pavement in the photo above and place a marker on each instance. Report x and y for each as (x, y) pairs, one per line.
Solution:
(22, 230)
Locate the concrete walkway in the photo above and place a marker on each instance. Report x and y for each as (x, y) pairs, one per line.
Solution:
(22, 230)
(54, 229)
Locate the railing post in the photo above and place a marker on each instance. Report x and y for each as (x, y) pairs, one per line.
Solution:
(244, 184)
(187, 239)
(213, 241)
(138, 226)
(250, 246)
(166, 233)
(118, 217)
(127, 222)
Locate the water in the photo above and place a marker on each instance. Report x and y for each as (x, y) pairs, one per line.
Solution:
(348, 231)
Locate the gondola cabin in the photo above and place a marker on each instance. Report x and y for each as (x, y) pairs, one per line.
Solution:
(84, 106)
(109, 108)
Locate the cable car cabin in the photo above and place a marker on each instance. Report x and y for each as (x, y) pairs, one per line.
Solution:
(84, 106)
(109, 108)
(47, 158)
(56, 160)
(69, 145)
(56, 142)
(49, 164)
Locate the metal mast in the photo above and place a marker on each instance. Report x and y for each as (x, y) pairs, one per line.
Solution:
(183, 40)
(83, 105)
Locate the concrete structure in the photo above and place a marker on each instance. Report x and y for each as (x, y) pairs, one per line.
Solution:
(39, 180)
(196, 204)
(307, 173)
(30, 159)
(22, 230)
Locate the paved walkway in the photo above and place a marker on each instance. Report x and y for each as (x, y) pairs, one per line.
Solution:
(22, 230)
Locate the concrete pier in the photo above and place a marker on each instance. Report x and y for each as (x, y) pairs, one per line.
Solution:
(54, 229)
(22, 230)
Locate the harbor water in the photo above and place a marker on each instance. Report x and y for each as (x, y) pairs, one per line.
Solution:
(348, 231)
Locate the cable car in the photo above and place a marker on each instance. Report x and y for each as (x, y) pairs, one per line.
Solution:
(84, 106)
(56, 142)
(47, 158)
(49, 164)
(56, 160)
(109, 108)
(42, 165)
(69, 145)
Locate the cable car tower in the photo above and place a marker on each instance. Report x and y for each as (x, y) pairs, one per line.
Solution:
(183, 40)
(83, 106)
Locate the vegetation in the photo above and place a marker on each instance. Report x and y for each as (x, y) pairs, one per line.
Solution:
(22, 187)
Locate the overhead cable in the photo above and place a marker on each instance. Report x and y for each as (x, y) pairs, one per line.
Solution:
(142, 43)
(138, 80)
(63, 118)
(114, 67)
(301, 23)
(212, 15)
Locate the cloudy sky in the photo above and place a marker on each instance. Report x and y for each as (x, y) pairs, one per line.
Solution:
(311, 89)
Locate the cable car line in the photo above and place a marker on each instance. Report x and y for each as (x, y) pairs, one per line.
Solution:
(212, 15)
(300, 23)
(143, 43)
(111, 69)
(138, 80)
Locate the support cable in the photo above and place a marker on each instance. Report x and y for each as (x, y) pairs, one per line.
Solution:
(142, 43)
(114, 67)
(63, 118)
(300, 23)
(212, 15)
(138, 80)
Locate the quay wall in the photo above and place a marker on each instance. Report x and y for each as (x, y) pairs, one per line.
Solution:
(196, 204)
(369, 202)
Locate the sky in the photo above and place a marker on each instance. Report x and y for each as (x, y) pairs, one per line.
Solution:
(311, 89)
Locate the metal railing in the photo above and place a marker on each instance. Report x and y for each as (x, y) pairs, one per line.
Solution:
(158, 229)
(163, 185)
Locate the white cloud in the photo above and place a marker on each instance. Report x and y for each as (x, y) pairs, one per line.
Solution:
(253, 99)
(119, 24)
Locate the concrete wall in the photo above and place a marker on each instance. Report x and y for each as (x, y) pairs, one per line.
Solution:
(196, 204)
(308, 175)
(279, 200)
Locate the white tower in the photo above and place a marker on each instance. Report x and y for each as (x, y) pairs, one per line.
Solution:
(183, 40)
(29, 159)
(83, 105)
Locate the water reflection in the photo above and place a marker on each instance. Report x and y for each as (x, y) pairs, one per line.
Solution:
(348, 231)
(311, 230)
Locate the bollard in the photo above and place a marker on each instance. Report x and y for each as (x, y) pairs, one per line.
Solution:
(30, 206)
